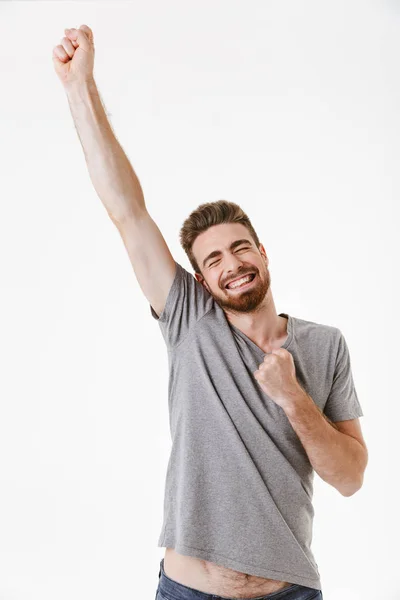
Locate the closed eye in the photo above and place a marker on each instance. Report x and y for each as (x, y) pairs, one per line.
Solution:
(240, 249)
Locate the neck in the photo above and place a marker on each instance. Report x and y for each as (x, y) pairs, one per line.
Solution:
(264, 326)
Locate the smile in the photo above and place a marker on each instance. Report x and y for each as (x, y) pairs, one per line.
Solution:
(244, 286)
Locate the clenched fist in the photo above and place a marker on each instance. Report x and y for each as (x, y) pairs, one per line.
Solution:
(277, 377)
(73, 59)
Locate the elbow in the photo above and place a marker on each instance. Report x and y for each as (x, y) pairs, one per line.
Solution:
(346, 493)
(350, 490)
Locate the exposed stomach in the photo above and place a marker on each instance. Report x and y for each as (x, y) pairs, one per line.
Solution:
(210, 578)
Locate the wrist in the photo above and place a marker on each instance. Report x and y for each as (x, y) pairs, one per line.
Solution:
(78, 87)
(298, 396)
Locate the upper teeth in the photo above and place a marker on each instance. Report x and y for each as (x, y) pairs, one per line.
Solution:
(240, 281)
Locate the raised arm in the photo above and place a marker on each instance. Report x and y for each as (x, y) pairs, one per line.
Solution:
(110, 171)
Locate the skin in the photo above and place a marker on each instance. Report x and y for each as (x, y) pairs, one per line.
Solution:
(251, 310)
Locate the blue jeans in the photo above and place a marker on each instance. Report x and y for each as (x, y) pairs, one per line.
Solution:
(168, 589)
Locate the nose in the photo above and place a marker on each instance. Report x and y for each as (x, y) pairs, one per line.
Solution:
(233, 264)
(234, 268)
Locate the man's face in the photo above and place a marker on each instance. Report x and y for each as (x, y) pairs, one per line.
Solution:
(230, 263)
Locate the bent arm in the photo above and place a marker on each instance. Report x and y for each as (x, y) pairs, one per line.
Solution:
(339, 459)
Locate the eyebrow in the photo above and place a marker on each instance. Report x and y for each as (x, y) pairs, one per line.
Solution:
(231, 247)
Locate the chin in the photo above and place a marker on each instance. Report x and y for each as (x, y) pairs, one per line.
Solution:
(246, 301)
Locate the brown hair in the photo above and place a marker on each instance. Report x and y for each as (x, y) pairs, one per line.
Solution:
(206, 215)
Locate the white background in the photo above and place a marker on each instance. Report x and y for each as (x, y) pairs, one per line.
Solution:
(291, 109)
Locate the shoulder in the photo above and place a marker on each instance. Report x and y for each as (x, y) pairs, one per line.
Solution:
(315, 330)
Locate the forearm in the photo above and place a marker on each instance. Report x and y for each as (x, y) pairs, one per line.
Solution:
(338, 458)
(109, 168)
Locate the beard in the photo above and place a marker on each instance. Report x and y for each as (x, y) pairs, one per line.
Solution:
(247, 300)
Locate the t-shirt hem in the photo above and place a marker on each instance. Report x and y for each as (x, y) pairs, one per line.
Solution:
(344, 416)
(231, 563)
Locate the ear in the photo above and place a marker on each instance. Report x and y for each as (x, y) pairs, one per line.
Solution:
(201, 280)
(264, 254)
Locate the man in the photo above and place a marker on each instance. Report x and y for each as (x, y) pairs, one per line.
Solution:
(258, 401)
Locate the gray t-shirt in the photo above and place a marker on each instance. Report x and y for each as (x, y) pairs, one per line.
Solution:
(239, 483)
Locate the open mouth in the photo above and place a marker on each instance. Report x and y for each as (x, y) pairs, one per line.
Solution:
(243, 286)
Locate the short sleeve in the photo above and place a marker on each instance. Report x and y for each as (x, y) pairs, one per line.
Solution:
(342, 403)
(187, 302)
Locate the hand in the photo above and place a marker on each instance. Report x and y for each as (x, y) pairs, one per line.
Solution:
(74, 59)
(277, 377)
